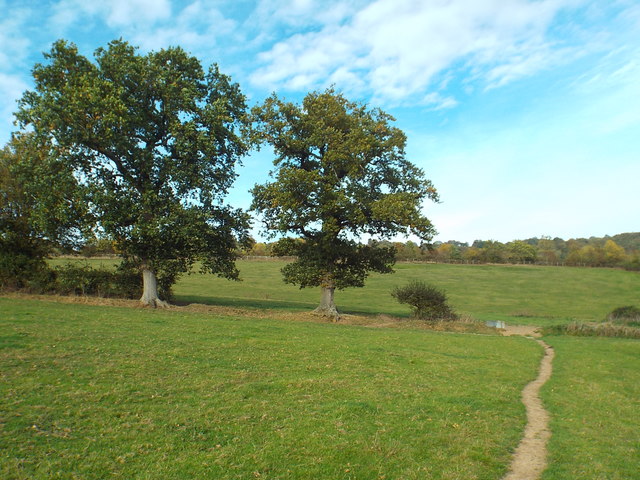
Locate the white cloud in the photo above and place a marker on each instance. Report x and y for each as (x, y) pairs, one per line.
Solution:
(14, 52)
(128, 12)
(15, 43)
(399, 48)
(608, 90)
(12, 87)
(437, 102)
(270, 14)
(114, 13)
(196, 28)
(67, 12)
(196, 25)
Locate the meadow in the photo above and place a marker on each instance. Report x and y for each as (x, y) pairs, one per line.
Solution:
(519, 294)
(593, 401)
(95, 391)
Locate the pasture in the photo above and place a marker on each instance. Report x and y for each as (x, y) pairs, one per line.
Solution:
(101, 391)
(104, 392)
(527, 295)
(593, 401)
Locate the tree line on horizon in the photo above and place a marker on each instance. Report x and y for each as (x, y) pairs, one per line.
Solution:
(622, 250)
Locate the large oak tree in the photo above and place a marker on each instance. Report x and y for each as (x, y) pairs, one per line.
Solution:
(155, 140)
(341, 175)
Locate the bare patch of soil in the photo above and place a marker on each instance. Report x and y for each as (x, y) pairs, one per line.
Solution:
(524, 330)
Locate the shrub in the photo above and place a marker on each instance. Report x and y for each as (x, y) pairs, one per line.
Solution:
(32, 274)
(633, 264)
(128, 281)
(427, 301)
(588, 330)
(74, 279)
(628, 315)
(22, 272)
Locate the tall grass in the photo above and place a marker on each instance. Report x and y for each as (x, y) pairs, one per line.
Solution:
(594, 330)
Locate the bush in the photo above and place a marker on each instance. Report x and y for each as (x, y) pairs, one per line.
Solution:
(588, 330)
(32, 274)
(23, 272)
(427, 301)
(128, 281)
(628, 315)
(633, 264)
(75, 279)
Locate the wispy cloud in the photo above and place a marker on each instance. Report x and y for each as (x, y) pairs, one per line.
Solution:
(115, 13)
(133, 12)
(400, 48)
(435, 101)
(15, 44)
(12, 87)
(13, 61)
(274, 14)
(197, 28)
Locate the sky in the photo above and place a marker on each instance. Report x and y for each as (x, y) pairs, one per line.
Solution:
(525, 114)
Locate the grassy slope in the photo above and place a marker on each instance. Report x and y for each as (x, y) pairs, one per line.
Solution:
(594, 388)
(518, 294)
(96, 392)
(593, 400)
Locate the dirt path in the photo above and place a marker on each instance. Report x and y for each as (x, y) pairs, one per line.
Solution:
(530, 458)
(525, 330)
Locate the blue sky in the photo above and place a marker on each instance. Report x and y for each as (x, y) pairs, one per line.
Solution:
(524, 114)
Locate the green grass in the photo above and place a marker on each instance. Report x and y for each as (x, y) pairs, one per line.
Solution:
(528, 295)
(593, 400)
(104, 392)
(97, 392)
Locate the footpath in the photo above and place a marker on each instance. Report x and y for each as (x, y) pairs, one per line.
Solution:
(530, 458)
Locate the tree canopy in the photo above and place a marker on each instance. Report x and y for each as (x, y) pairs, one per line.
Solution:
(155, 140)
(341, 174)
(41, 207)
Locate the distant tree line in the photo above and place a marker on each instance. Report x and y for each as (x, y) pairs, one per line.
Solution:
(621, 250)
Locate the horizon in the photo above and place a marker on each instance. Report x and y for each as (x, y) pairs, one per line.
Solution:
(522, 113)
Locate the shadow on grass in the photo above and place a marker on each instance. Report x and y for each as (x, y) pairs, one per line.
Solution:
(258, 304)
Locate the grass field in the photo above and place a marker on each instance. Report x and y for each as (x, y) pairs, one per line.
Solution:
(593, 397)
(531, 295)
(526, 295)
(104, 392)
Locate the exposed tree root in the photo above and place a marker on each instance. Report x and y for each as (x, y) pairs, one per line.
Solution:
(328, 312)
(154, 303)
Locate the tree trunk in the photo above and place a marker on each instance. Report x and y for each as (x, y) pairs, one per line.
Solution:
(327, 307)
(150, 289)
